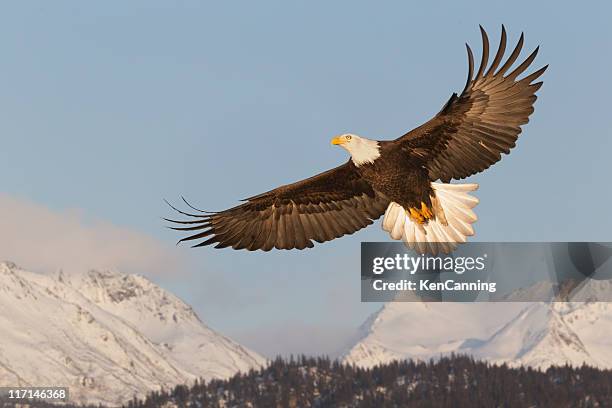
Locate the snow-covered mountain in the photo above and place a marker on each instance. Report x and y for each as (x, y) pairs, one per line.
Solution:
(422, 330)
(537, 334)
(105, 335)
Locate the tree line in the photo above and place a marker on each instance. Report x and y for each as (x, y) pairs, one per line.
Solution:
(454, 381)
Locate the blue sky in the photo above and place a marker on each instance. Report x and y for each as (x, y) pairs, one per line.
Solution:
(107, 108)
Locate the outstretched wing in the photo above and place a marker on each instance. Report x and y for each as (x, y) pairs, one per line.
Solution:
(321, 208)
(473, 129)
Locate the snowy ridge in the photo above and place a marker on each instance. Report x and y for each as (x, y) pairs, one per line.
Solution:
(536, 334)
(424, 330)
(105, 335)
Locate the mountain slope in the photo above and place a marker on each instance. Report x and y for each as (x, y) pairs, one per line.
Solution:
(106, 336)
(537, 334)
(423, 330)
(539, 337)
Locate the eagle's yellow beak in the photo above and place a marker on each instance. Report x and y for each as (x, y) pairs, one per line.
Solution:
(338, 140)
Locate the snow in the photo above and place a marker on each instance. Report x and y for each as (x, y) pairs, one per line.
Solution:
(106, 335)
(423, 330)
(537, 334)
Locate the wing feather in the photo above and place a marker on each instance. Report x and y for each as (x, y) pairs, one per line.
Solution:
(473, 129)
(321, 208)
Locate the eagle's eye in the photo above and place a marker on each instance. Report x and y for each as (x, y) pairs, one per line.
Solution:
(349, 137)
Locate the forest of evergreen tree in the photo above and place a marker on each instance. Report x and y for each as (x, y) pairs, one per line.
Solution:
(455, 381)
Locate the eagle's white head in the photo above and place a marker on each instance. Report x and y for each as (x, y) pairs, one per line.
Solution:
(362, 150)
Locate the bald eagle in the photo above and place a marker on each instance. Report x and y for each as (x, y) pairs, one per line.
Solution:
(406, 179)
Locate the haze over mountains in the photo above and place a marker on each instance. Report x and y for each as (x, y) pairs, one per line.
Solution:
(105, 335)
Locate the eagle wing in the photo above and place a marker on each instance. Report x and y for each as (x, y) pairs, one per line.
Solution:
(320, 208)
(472, 130)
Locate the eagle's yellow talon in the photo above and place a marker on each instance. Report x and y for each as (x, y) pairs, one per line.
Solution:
(420, 215)
(425, 211)
(416, 215)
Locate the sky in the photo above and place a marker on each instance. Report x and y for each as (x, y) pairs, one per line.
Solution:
(108, 108)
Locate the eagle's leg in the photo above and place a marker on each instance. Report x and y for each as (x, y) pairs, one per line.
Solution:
(416, 216)
(425, 211)
(421, 215)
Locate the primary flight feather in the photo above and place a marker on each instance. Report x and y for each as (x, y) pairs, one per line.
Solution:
(396, 178)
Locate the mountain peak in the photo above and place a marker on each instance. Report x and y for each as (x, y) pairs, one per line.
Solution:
(106, 335)
(537, 334)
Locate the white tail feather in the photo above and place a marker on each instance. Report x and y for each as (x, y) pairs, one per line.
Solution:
(434, 236)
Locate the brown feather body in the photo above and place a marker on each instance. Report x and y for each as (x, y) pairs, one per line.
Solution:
(403, 181)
